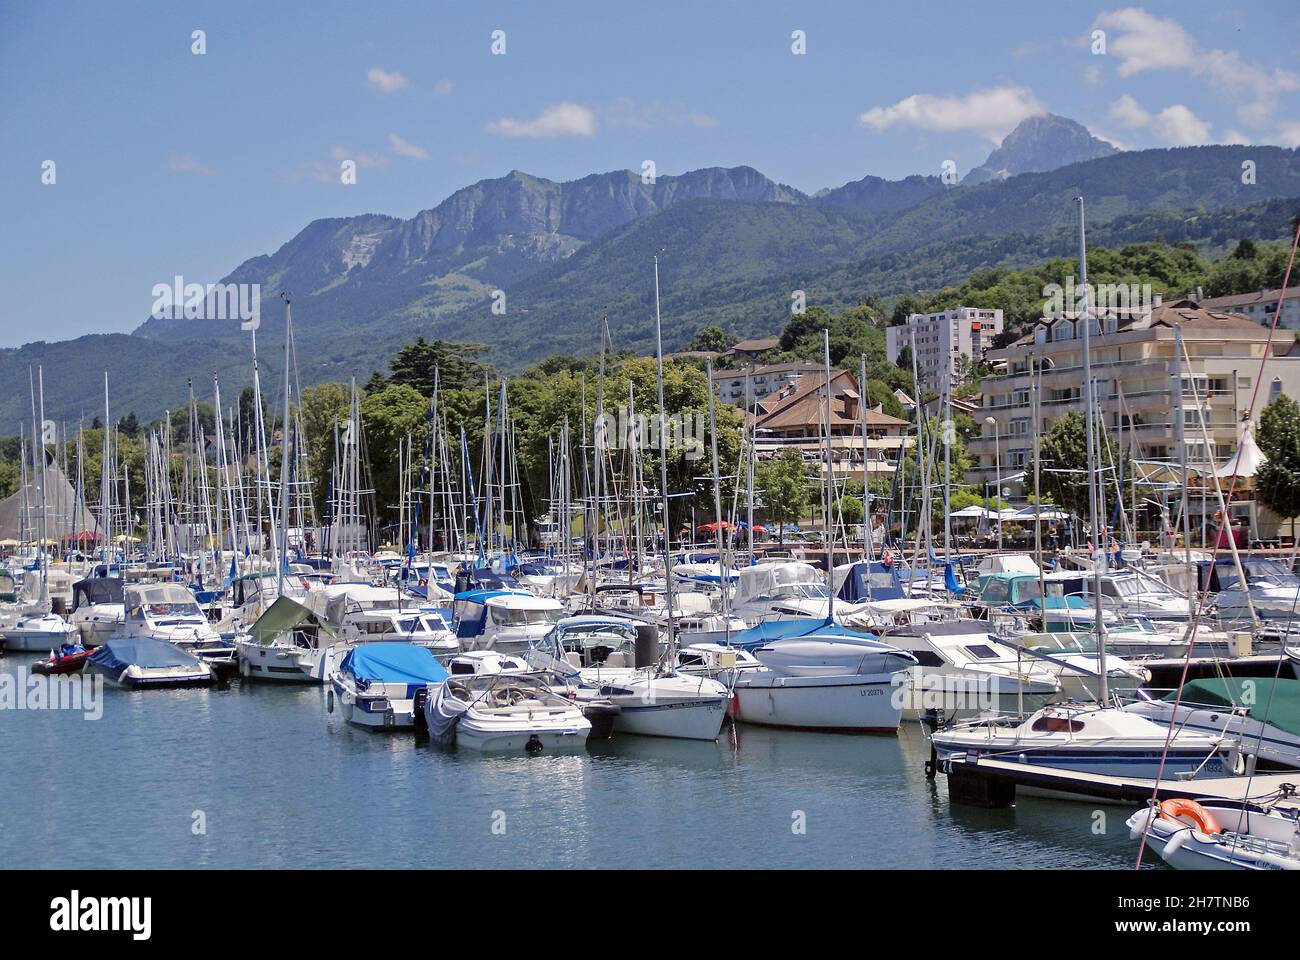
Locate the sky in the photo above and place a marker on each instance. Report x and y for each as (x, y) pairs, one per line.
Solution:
(167, 161)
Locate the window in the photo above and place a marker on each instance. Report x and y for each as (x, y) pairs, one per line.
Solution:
(1050, 724)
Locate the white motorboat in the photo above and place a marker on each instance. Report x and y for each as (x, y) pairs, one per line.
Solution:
(504, 711)
(289, 644)
(1262, 713)
(505, 620)
(1270, 588)
(377, 685)
(1100, 740)
(961, 668)
(781, 590)
(600, 653)
(825, 678)
(148, 662)
(1219, 835)
(97, 610)
(41, 632)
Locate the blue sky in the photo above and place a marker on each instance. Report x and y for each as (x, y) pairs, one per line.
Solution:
(172, 163)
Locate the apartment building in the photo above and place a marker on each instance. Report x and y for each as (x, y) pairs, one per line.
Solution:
(1261, 305)
(1133, 369)
(938, 339)
(761, 381)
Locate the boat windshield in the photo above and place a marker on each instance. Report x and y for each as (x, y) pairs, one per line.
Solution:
(507, 617)
(807, 591)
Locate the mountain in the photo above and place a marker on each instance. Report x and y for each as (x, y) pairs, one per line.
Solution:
(735, 244)
(1037, 144)
(375, 270)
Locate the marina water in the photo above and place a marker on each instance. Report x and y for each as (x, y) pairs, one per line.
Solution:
(261, 776)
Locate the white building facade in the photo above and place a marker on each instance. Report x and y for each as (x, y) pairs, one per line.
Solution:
(938, 339)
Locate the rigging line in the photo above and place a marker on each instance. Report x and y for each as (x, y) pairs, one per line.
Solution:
(1224, 523)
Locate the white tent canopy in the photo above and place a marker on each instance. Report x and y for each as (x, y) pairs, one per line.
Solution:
(1245, 463)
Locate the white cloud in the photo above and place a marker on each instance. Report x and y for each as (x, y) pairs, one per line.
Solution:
(557, 120)
(991, 112)
(1127, 112)
(1175, 125)
(184, 163)
(404, 148)
(1144, 42)
(385, 82)
(442, 88)
(1289, 134)
(1179, 127)
(1092, 73)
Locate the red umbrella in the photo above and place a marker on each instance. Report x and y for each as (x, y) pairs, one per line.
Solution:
(712, 527)
(83, 535)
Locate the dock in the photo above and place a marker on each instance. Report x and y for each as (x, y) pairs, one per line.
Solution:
(984, 782)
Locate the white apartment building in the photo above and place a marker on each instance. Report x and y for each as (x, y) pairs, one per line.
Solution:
(761, 381)
(1261, 305)
(1133, 368)
(938, 339)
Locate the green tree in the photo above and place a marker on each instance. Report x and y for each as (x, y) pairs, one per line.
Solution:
(712, 338)
(1064, 462)
(457, 365)
(782, 482)
(1277, 484)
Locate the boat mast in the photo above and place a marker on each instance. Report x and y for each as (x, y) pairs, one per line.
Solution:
(830, 478)
(1085, 315)
(663, 473)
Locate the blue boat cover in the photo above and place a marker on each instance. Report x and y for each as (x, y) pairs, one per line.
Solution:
(121, 652)
(393, 663)
(771, 630)
(871, 581)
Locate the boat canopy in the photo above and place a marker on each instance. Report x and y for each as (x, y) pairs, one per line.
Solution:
(770, 630)
(121, 652)
(393, 663)
(282, 616)
(86, 593)
(771, 579)
(860, 582)
(1268, 700)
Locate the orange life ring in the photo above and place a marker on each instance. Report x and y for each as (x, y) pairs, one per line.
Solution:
(1181, 811)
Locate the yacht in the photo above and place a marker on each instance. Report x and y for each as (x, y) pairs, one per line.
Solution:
(963, 669)
(820, 677)
(1272, 589)
(505, 620)
(168, 611)
(377, 685)
(782, 590)
(1220, 835)
(97, 610)
(145, 662)
(503, 711)
(1262, 713)
(613, 660)
(289, 644)
(1086, 737)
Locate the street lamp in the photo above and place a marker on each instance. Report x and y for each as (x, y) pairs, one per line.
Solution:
(997, 471)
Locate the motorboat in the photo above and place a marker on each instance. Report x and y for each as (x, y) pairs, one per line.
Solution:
(1126, 592)
(1086, 737)
(504, 711)
(819, 676)
(1220, 835)
(1262, 713)
(1270, 588)
(376, 684)
(1073, 659)
(37, 632)
(169, 611)
(141, 661)
(289, 644)
(505, 620)
(618, 660)
(961, 668)
(782, 590)
(97, 610)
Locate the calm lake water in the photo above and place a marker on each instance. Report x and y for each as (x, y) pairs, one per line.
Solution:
(280, 783)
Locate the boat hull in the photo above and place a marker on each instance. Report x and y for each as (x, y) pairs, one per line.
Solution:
(852, 704)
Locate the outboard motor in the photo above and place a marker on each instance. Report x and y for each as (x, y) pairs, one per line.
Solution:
(647, 645)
